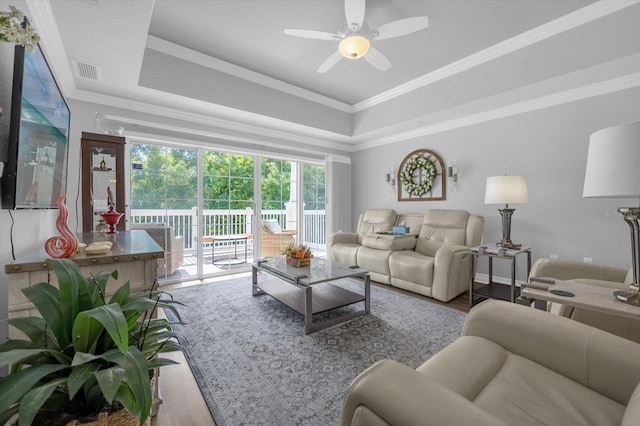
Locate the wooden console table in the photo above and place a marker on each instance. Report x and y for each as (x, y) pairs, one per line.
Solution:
(134, 255)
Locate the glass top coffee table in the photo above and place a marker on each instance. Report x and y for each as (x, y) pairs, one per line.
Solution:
(308, 291)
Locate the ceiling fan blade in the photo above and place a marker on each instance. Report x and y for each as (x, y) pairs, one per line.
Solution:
(317, 35)
(330, 62)
(401, 27)
(354, 12)
(377, 59)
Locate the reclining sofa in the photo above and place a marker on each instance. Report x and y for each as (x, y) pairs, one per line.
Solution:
(513, 365)
(432, 260)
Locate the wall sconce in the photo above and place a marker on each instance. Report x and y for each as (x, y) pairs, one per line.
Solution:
(390, 178)
(452, 174)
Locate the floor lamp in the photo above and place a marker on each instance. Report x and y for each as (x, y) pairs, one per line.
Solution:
(506, 190)
(612, 172)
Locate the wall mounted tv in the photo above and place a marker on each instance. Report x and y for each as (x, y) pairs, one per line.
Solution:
(35, 146)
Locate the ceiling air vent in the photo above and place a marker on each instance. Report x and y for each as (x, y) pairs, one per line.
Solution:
(85, 70)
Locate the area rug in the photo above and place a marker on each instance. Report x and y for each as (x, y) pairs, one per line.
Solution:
(255, 365)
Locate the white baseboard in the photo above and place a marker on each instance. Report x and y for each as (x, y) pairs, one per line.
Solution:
(484, 279)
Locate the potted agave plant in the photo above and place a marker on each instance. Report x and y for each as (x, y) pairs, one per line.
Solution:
(86, 357)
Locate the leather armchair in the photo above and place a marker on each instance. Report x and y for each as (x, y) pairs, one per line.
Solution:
(600, 275)
(513, 365)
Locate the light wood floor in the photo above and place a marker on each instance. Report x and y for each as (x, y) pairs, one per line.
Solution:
(183, 403)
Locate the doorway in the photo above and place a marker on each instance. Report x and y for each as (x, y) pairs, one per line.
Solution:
(212, 206)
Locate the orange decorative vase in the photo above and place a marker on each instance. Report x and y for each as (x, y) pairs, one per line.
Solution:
(67, 244)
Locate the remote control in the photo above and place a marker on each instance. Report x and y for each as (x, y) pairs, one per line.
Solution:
(562, 293)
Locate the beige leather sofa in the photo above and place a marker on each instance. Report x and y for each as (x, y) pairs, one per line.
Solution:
(434, 262)
(600, 275)
(513, 365)
(172, 245)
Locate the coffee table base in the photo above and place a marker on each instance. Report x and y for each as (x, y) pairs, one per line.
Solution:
(314, 299)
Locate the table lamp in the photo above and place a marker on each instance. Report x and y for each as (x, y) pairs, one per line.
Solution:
(506, 190)
(612, 172)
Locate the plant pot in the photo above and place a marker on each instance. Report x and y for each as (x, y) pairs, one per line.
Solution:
(298, 263)
(116, 418)
(119, 418)
(122, 417)
(155, 391)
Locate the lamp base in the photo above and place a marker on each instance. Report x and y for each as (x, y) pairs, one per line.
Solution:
(506, 242)
(631, 216)
(509, 245)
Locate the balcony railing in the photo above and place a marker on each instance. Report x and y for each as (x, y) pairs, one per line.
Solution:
(225, 222)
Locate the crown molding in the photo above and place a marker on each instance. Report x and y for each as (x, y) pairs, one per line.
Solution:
(293, 133)
(254, 128)
(629, 81)
(184, 53)
(567, 22)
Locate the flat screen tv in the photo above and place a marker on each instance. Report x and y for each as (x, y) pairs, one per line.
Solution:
(37, 143)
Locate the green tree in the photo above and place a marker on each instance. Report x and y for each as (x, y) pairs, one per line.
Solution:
(275, 183)
(166, 178)
(163, 178)
(228, 180)
(314, 192)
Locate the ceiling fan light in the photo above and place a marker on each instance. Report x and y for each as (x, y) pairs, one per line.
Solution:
(354, 46)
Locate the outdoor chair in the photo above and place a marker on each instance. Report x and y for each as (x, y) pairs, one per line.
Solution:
(274, 238)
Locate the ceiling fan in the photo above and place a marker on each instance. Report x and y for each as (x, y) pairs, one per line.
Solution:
(355, 36)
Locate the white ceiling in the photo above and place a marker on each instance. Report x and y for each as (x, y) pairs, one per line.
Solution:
(230, 60)
(250, 34)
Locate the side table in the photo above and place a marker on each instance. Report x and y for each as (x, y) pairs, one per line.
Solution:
(235, 239)
(494, 290)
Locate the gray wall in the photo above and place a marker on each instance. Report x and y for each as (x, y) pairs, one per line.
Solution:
(549, 146)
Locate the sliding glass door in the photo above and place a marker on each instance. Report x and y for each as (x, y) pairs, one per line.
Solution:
(278, 205)
(314, 208)
(227, 216)
(200, 205)
(163, 196)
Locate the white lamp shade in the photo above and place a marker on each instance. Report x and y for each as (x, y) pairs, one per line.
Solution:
(612, 163)
(506, 190)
